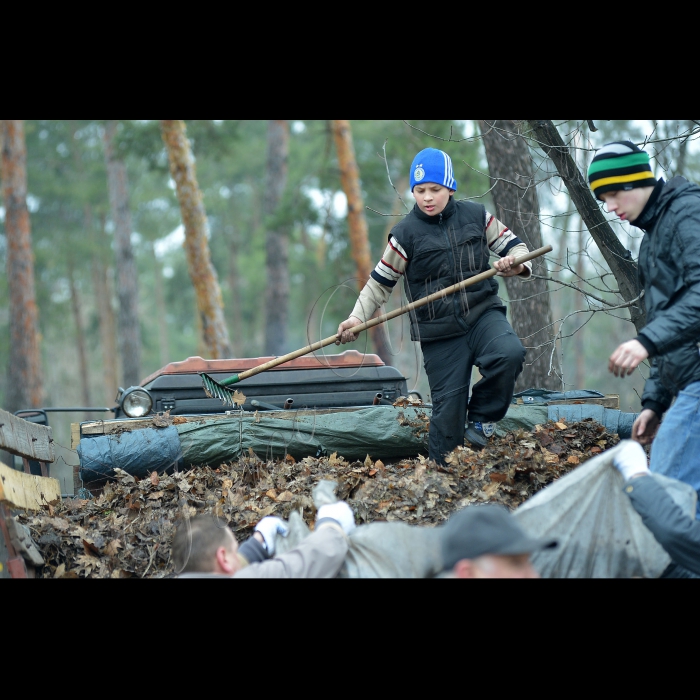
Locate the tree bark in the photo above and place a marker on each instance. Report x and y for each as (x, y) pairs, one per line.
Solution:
(276, 239)
(80, 343)
(517, 206)
(25, 379)
(161, 310)
(357, 222)
(204, 278)
(106, 318)
(617, 257)
(129, 336)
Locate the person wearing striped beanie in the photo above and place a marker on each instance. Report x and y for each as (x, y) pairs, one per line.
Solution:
(439, 243)
(620, 166)
(668, 213)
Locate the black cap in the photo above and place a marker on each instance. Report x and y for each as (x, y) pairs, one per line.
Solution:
(486, 529)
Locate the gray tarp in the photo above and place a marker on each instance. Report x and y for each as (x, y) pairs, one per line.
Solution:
(600, 533)
(376, 550)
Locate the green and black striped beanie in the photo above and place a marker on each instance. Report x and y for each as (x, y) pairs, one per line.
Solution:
(619, 166)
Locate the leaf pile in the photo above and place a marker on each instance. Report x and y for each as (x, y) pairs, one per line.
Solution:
(127, 529)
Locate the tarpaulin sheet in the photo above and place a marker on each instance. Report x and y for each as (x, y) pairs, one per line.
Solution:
(600, 533)
(138, 453)
(375, 550)
(353, 434)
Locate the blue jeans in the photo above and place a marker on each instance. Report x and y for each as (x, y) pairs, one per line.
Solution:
(675, 451)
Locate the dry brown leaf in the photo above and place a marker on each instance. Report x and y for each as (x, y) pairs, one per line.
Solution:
(60, 570)
(271, 494)
(561, 426)
(156, 495)
(573, 459)
(368, 461)
(372, 472)
(285, 497)
(112, 549)
(238, 398)
(155, 479)
(490, 489)
(379, 464)
(90, 549)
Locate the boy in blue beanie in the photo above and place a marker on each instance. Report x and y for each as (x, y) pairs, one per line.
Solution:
(438, 244)
(620, 175)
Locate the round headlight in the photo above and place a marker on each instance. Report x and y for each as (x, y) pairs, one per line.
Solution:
(137, 402)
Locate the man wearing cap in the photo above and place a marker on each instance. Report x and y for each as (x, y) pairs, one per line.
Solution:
(438, 244)
(486, 541)
(669, 268)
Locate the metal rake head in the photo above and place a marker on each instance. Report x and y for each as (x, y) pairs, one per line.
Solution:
(216, 390)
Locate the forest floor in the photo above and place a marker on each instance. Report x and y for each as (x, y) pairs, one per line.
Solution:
(126, 530)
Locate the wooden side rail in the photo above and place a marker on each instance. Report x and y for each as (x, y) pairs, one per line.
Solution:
(23, 491)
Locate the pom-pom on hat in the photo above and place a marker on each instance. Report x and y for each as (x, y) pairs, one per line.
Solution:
(432, 165)
(619, 166)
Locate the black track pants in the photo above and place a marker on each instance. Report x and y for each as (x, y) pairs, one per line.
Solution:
(492, 345)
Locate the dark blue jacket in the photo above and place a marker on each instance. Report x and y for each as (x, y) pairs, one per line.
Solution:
(676, 532)
(669, 270)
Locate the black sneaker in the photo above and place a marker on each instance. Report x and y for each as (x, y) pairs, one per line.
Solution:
(478, 433)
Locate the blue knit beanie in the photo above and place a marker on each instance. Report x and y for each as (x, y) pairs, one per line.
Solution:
(432, 165)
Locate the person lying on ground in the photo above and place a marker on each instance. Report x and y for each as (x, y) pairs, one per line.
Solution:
(205, 547)
(486, 541)
(676, 532)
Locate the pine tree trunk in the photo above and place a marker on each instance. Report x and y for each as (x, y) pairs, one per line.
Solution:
(127, 279)
(276, 240)
(25, 380)
(204, 278)
(357, 222)
(619, 259)
(106, 319)
(81, 345)
(234, 315)
(161, 311)
(517, 206)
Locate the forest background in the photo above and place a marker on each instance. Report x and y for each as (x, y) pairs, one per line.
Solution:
(147, 242)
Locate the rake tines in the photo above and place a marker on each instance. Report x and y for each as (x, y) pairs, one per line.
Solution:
(216, 390)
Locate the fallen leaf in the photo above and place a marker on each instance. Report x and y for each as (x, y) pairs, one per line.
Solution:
(368, 461)
(561, 426)
(113, 548)
(271, 494)
(155, 480)
(60, 570)
(285, 497)
(90, 549)
(573, 459)
(238, 398)
(379, 464)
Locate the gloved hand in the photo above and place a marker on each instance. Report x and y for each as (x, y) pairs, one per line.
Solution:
(341, 513)
(269, 527)
(631, 459)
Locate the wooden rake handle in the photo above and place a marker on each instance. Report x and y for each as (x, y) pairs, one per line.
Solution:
(384, 317)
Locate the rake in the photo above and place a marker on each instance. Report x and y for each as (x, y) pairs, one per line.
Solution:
(220, 390)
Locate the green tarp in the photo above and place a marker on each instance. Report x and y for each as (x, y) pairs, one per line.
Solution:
(382, 432)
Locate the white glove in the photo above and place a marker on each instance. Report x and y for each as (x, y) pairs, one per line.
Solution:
(269, 527)
(341, 513)
(631, 459)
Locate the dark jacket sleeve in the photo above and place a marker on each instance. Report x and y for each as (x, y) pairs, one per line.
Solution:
(676, 532)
